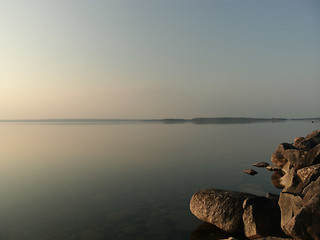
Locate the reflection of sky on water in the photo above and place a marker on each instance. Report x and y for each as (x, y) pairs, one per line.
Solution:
(125, 180)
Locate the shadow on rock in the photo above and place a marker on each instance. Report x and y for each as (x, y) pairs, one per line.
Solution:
(207, 231)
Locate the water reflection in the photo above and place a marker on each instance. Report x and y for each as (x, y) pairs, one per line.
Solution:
(207, 231)
(125, 181)
(275, 179)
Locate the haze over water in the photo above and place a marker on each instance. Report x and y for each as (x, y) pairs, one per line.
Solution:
(123, 59)
(126, 180)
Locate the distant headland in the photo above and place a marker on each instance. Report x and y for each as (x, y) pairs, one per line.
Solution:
(213, 120)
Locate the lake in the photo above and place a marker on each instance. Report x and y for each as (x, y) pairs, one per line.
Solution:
(124, 180)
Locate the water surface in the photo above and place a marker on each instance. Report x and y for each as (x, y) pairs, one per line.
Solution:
(126, 180)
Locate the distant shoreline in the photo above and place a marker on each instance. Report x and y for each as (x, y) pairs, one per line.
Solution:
(215, 120)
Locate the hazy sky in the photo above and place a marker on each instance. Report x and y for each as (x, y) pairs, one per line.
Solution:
(157, 59)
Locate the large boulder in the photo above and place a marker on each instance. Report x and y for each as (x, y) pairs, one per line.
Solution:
(219, 207)
(261, 217)
(305, 225)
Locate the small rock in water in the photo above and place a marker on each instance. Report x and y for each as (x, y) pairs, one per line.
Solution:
(250, 171)
(261, 164)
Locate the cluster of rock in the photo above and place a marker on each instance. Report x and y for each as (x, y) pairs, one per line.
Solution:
(300, 198)
(295, 213)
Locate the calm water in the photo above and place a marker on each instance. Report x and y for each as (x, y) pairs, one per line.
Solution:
(125, 180)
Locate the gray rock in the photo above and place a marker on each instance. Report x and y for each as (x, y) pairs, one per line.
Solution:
(219, 207)
(305, 225)
(290, 205)
(261, 217)
(250, 171)
(261, 164)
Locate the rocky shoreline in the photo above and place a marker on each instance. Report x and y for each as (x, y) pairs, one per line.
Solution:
(294, 214)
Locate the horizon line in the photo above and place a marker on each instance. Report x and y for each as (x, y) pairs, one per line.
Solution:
(152, 119)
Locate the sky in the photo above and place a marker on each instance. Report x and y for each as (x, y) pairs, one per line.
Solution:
(159, 58)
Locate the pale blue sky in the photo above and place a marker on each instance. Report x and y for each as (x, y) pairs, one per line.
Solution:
(158, 59)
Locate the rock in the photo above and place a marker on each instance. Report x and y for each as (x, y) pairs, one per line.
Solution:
(315, 136)
(308, 174)
(219, 207)
(273, 168)
(296, 158)
(274, 238)
(287, 167)
(297, 141)
(310, 141)
(311, 190)
(303, 153)
(290, 205)
(250, 171)
(291, 182)
(261, 217)
(261, 164)
(277, 157)
(302, 143)
(313, 156)
(305, 225)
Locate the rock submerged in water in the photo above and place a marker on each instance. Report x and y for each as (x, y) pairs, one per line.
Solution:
(261, 164)
(219, 207)
(207, 231)
(273, 168)
(250, 171)
(297, 170)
